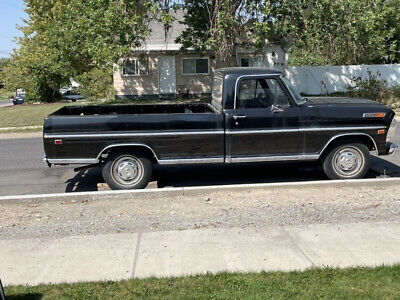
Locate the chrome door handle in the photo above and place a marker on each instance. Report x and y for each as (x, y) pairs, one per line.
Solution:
(239, 117)
(276, 109)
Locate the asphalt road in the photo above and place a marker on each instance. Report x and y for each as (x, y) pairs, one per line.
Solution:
(22, 172)
(5, 103)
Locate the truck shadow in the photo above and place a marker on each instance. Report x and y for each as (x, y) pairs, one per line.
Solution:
(84, 181)
(205, 175)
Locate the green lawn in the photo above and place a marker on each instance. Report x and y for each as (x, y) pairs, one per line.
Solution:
(355, 283)
(27, 114)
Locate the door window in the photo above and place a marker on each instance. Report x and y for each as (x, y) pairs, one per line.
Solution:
(280, 96)
(261, 93)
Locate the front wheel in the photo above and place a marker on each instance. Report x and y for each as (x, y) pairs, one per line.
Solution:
(347, 161)
(126, 171)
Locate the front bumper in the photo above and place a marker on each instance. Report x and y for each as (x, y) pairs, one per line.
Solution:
(391, 149)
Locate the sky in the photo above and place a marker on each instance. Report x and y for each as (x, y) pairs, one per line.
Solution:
(11, 15)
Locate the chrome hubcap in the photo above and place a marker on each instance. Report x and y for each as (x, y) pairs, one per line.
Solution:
(348, 161)
(127, 170)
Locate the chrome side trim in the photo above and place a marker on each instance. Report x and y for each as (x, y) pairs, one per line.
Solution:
(235, 132)
(273, 158)
(232, 132)
(311, 129)
(210, 160)
(129, 134)
(73, 161)
(347, 134)
(126, 145)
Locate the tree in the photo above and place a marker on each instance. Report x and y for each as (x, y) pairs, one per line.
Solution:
(318, 31)
(3, 63)
(223, 25)
(339, 32)
(68, 38)
(37, 69)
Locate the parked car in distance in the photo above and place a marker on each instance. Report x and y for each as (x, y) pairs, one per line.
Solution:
(65, 89)
(19, 98)
(72, 96)
(256, 115)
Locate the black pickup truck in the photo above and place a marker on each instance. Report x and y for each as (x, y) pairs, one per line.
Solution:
(255, 116)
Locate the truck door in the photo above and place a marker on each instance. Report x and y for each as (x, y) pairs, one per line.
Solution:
(264, 124)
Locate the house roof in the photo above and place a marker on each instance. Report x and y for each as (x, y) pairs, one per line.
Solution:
(162, 40)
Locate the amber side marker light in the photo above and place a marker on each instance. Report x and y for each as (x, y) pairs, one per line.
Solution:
(374, 115)
(382, 131)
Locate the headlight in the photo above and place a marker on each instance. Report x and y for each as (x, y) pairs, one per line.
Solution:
(391, 131)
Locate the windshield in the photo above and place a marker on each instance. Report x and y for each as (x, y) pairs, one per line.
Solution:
(299, 99)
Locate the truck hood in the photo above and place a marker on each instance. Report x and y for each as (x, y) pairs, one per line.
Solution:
(319, 101)
(348, 109)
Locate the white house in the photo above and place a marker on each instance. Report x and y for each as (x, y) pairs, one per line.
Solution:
(160, 69)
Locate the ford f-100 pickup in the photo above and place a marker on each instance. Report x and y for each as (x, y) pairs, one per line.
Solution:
(255, 115)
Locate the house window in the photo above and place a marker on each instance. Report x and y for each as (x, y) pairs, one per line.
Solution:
(193, 66)
(258, 62)
(135, 67)
(245, 62)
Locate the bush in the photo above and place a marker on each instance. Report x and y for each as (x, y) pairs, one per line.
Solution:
(97, 84)
(375, 88)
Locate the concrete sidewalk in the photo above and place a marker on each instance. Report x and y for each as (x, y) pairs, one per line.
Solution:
(175, 253)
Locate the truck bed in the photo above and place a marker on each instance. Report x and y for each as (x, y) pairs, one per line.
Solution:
(145, 109)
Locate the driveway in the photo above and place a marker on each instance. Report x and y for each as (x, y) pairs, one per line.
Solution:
(22, 172)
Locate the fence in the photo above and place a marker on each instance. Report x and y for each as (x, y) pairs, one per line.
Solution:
(331, 79)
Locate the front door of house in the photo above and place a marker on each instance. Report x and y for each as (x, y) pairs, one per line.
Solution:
(167, 75)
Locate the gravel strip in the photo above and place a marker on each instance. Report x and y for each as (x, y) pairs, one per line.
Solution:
(218, 209)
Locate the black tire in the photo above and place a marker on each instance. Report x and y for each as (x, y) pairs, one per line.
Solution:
(127, 170)
(347, 161)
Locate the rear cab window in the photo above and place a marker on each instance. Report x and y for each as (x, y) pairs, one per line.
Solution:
(217, 92)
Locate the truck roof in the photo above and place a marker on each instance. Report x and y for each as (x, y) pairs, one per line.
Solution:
(239, 71)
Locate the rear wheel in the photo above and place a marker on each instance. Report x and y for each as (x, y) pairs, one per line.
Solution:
(347, 161)
(127, 170)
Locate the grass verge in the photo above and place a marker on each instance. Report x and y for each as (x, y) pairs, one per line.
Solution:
(353, 283)
(27, 114)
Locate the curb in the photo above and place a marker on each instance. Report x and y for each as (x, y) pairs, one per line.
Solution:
(148, 193)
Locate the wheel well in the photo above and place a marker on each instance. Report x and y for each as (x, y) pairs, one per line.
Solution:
(139, 148)
(356, 138)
